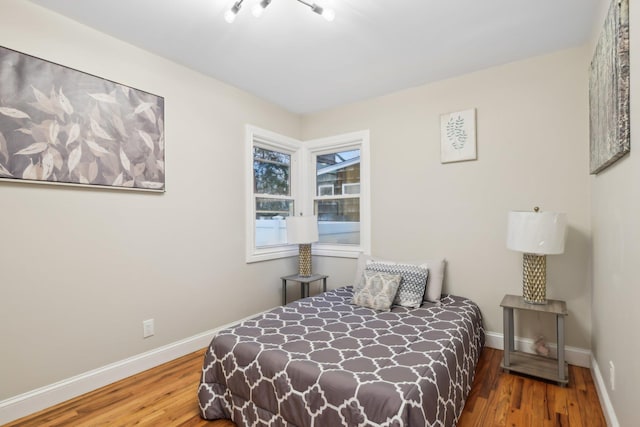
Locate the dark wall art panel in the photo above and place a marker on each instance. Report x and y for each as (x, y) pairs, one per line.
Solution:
(609, 90)
(60, 125)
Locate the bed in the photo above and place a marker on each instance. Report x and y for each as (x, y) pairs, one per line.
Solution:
(323, 361)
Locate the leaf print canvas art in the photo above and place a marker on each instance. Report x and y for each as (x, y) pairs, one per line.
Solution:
(458, 136)
(60, 125)
(610, 91)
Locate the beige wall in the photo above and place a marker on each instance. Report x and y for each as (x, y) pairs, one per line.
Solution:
(615, 210)
(532, 127)
(80, 269)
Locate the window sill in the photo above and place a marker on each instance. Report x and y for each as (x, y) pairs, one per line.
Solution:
(291, 251)
(272, 253)
(352, 252)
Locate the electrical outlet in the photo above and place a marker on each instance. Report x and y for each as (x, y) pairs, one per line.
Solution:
(147, 328)
(612, 375)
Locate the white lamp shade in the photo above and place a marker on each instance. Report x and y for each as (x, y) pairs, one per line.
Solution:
(541, 233)
(302, 229)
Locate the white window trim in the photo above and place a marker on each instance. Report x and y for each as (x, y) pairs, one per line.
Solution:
(274, 141)
(331, 144)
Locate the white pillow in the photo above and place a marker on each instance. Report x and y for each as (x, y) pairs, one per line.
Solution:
(435, 279)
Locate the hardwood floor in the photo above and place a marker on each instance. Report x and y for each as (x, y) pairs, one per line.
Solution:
(166, 396)
(502, 399)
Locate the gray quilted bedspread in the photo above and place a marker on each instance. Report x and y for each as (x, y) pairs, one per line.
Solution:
(324, 362)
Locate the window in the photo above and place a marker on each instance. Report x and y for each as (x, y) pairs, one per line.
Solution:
(339, 212)
(340, 196)
(272, 188)
(351, 188)
(272, 192)
(325, 190)
(328, 177)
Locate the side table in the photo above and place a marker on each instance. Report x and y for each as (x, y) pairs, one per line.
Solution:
(304, 284)
(533, 364)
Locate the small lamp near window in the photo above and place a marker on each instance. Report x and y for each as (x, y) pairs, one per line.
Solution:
(536, 234)
(303, 230)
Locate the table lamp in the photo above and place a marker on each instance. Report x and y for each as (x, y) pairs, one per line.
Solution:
(536, 234)
(303, 230)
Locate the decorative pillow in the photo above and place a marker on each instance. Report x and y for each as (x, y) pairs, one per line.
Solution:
(376, 290)
(413, 283)
(361, 266)
(435, 279)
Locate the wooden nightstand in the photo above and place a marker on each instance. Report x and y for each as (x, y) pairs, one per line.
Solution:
(304, 284)
(532, 364)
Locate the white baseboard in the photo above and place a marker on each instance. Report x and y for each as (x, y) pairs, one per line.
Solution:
(573, 355)
(603, 395)
(36, 400)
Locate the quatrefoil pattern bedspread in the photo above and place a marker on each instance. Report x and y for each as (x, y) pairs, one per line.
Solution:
(324, 362)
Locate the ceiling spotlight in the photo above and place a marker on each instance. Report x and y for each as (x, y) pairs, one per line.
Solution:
(230, 15)
(327, 14)
(260, 7)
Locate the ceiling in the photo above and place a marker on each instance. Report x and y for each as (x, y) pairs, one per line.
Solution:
(299, 61)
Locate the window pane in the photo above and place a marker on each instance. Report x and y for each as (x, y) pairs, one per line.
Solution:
(338, 173)
(268, 208)
(339, 221)
(271, 172)
(273, 156)
(270, 221)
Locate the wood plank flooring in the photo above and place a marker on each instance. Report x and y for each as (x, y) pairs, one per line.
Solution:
(166, 396)
(502, 399)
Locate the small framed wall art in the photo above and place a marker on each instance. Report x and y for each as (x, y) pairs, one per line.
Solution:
(458, 136)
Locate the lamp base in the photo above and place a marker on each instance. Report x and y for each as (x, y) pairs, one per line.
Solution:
(304, 260)
(534, 278)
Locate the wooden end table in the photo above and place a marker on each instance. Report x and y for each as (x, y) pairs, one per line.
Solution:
(533, 364)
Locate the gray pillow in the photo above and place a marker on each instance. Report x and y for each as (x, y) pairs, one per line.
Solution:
(376, 290)
(412, 286)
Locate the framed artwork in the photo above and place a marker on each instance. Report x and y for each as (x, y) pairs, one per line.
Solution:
(609, 127)
(458, 136)
(63, 126)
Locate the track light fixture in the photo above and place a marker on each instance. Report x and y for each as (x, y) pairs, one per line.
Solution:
(230, 15)
(327, 14)
(259, 8)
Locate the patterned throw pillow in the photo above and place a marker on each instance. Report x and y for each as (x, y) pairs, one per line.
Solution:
(376, 290)
(413, 284)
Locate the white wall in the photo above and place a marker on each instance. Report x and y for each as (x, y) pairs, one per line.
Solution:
(615, 209)
(532, 128)
(80, 269)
